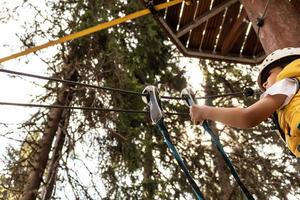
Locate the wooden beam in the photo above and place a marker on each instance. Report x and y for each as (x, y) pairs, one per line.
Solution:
(281, 23)
(204, 17)
(236, 31)
(234, 58)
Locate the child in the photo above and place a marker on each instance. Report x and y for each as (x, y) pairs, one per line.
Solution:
(278, 79)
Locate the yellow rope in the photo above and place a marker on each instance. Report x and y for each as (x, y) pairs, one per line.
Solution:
(91, 30)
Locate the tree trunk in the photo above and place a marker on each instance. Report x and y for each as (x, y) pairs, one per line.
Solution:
(281, 26)
(65, 95)
(54, 163)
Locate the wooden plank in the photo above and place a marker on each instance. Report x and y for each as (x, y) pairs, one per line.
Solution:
(196, 34)
(231, 16)
(172, 17)
(252, 43)
(204, 17)
(212, 29)
(187, 16)
(236, 31)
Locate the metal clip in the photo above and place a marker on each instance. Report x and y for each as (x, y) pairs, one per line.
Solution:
(150, 6)
(152, 99)
(189, 96)
(248, 92)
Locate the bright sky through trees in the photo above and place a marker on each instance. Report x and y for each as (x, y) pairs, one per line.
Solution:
(23, 90)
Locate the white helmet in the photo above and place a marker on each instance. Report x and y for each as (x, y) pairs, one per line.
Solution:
(286, 54)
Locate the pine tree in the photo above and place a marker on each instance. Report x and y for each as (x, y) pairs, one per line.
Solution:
(130, 57)
(109, 155)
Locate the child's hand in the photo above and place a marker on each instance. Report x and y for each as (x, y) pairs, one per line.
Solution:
(196, 113)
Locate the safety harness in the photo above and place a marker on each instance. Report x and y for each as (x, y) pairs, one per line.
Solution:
(157, 117)
(190, 100)
(275, 120)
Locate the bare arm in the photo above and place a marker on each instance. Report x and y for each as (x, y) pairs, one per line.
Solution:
(239, 117)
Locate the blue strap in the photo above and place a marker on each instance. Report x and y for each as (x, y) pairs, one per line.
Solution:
(219, 146)
(190, 100)
(161, 126)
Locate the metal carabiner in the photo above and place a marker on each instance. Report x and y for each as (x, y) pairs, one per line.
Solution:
(152, 99)
(189, 96)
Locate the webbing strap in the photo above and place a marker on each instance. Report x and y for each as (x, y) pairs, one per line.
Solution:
(219, 146)
(161, 126)
(90, 30)
(190, 100)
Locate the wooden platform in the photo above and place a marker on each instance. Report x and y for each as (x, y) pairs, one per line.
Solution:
(213, 29)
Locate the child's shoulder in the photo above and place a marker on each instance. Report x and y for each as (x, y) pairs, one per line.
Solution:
(288, 87)
(290, 71)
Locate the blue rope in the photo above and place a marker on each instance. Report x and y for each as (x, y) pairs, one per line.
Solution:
(161, 126)
(219, 146)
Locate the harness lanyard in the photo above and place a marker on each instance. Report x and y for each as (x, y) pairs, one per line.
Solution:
(190, 100)
(219, 146)
(156, 115)
(161, 126)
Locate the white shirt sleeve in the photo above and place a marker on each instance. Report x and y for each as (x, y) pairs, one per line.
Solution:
(287, 86)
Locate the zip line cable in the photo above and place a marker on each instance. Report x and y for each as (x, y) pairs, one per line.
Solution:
(93, 29)
(70, 82)
(206, 97)
(246, 92)
(85, 108)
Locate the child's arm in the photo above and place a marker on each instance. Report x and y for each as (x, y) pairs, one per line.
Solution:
(239, 117)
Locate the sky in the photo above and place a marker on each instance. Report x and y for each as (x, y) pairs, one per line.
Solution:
(21, 90)
(16, 89)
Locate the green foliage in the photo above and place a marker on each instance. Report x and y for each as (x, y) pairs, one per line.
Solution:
(18, 165)
(125, 151)
(129, 56)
